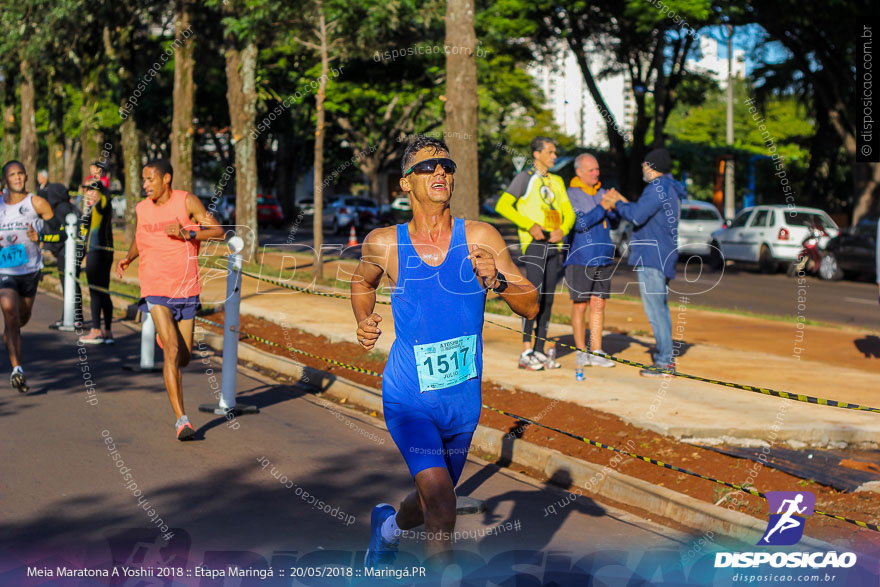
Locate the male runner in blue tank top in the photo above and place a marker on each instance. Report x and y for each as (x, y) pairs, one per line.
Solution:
(439, 269)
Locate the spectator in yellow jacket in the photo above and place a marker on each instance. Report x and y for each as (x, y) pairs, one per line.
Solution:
(537, 202)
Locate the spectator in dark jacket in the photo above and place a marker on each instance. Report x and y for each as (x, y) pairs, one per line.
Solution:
(588, 266)
(654, 247)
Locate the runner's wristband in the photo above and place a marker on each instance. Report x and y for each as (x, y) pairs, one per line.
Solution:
(502, 283)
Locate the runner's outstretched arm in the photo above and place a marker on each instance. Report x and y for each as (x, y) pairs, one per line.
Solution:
(520, 295)
(126, 261)
(364, 281)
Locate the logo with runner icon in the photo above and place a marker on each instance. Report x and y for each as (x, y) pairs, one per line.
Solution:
(786, 526)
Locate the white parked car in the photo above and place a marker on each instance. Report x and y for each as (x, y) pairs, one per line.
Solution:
(118, 204)
(768, 235)
(698, 221)
(401, 204)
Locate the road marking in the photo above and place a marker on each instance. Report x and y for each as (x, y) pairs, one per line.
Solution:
(858, 301)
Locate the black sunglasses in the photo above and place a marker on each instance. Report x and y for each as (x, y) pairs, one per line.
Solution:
(429, 165)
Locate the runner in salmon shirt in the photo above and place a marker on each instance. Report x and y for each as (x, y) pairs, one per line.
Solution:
(170, 225)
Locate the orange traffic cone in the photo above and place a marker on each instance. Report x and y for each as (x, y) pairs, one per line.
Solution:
(352, 237)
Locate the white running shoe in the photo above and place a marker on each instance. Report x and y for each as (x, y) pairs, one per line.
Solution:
(597, 361)
(529, 360)
(549, 362)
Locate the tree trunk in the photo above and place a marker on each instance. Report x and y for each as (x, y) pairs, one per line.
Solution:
(88, 137)
(462, 105)
(182, 129)
(131, 153)
(317, 222)
(241, 65)
(866, 177)
(71, 152)
(616, 142)
(9, 147)
(55, 134)
(28, 148)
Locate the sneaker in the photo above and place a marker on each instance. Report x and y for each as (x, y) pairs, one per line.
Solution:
(380, 552)
(109, 340)
(185, 431)
(669, 370)
(549, 362)
(92, 338)
(529, 360)
(597, 361)
(18, 381)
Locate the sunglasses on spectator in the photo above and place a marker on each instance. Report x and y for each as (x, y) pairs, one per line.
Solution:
(429, 165)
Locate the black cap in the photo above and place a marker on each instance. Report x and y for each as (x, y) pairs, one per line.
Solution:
(659, 160)
(95, 185)
(99, 165)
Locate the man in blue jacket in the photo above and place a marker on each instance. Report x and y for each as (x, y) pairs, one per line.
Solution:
(654, 247)
(588, 266)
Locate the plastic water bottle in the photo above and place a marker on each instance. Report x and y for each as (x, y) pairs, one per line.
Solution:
(580, 360)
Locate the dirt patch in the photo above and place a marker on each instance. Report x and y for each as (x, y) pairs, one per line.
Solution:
(607, 429)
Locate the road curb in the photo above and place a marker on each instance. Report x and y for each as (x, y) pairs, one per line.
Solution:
(505, 449)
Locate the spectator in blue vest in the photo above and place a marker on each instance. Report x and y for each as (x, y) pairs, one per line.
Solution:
(588, 267)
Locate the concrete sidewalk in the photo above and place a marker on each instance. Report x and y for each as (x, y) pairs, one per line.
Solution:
(693, 411)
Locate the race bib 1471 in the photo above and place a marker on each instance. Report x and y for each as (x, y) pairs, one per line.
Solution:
(446, 363)
(13, 256)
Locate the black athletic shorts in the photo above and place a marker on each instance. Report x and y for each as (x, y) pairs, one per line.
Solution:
(25, 285)
(585, 282)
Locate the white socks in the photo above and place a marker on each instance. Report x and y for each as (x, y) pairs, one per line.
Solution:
(19, 369)
(390, 531)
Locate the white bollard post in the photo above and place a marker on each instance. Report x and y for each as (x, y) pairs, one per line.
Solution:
(148, 344)
(68, 316)
(148, 348)
(227, 404)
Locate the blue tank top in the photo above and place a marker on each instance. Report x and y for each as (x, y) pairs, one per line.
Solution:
(436, 361)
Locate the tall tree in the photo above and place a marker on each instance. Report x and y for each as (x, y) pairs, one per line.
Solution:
(645, 45)
(122, 44)
(244, 22)
(10, 126)
(826, 58)
(182, 129)
(462, 104)
(324, 35)
(28, 148)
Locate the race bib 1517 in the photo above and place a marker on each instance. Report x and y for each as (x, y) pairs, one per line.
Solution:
(446, 363)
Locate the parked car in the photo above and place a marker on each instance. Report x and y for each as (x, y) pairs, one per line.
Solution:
(306, 207)
(349, 211)
(269, 210)
(401, 204)
(620, 236)
(118, 203)
(769, 235)
(697, 223)
(852, 251)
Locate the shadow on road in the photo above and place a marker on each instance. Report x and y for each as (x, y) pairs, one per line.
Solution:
(868, 346)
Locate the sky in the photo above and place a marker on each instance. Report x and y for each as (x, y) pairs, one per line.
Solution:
(746, 38)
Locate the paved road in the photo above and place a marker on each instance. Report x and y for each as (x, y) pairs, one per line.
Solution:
(848, 302)
(65, 500)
